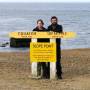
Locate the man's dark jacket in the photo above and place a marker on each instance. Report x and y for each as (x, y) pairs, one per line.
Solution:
(56, 28)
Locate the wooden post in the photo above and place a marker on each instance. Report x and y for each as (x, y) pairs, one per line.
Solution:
(34, 65)
(53, 65)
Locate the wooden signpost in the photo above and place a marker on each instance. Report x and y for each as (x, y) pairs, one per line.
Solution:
(42, 52)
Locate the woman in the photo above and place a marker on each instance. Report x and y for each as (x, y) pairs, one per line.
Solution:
(43, 65)
(40, 28)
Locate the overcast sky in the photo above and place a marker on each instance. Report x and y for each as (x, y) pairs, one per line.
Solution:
(44, 0)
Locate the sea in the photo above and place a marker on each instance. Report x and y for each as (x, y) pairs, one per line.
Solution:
(74, 17)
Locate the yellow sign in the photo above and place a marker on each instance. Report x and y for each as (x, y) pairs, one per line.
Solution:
(42, 52)
(42, 35)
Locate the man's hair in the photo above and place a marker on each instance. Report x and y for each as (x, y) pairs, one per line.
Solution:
(54, 17)
(40, 20)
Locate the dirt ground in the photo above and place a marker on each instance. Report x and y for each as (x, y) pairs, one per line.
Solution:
(15, 73)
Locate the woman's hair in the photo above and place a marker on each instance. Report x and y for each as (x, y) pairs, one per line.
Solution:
(40, 20)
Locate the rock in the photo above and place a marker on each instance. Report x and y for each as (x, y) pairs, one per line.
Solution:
(4, 44)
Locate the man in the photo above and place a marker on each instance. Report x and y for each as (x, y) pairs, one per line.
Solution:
(57, 28)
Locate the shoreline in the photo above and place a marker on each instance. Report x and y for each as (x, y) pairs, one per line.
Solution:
(27, 50)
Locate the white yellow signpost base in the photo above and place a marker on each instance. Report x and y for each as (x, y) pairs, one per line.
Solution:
(52, 65)
(34, 65)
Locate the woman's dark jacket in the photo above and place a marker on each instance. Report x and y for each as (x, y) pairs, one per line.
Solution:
(41, 39)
